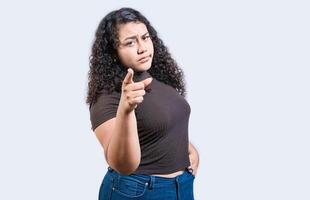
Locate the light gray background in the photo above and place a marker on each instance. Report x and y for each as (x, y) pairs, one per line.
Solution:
(247, 72)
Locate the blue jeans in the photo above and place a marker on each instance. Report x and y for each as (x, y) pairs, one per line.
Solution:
(139, 186)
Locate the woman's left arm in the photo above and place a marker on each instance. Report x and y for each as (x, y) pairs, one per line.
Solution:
(194, 158)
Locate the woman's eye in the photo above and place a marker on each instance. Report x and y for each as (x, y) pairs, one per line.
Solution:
(130, 43)
(146, 37)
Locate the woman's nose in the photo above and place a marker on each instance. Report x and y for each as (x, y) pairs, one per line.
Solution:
(141, 48)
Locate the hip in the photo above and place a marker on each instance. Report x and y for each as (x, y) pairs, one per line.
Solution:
(139, 186)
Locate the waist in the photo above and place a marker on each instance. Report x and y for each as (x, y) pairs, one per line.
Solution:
(171, 175)
(164, 167)
(143, 178)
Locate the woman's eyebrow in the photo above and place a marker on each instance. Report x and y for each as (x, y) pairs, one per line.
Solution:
(133, 37)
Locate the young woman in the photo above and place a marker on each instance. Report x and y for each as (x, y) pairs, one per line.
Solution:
(138, 111)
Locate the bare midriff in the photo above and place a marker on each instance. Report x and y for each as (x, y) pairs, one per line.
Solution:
(172, 175)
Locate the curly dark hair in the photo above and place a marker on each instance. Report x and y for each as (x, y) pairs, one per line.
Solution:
(106, 71)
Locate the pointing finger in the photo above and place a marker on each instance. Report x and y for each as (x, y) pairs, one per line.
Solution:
(129, 76)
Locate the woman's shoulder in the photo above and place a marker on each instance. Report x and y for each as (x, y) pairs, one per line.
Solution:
(106, 97)
(107, 93)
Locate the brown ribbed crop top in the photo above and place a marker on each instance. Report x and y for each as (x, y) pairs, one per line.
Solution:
(162, 124)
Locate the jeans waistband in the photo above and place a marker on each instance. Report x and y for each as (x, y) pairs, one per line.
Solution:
(151, 179)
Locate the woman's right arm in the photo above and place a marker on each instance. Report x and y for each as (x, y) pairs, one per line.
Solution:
(119, 135)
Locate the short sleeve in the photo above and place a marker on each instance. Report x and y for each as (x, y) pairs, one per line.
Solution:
(103, 109)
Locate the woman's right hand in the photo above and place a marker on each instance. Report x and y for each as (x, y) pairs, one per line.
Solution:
(132, 92)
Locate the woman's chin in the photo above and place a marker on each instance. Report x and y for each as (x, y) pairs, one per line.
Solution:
(143, 66)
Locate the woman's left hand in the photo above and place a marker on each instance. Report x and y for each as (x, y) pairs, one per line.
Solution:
(194, 158)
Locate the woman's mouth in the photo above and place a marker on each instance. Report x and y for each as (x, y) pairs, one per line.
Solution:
(144, 59)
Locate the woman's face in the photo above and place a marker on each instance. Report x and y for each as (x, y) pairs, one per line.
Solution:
(135, 48)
